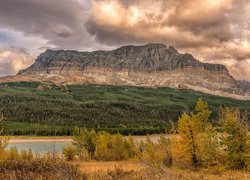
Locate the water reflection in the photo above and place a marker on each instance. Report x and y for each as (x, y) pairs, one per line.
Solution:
(40, 147)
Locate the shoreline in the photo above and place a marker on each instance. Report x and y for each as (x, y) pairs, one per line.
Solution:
(34, 139)
(16, 141)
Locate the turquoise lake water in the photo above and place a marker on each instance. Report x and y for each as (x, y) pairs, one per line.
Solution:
(40, 147)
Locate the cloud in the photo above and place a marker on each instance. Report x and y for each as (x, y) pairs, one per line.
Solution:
(240, 70)
(216, 31)
(60, 22)
(183, 23)
(13, 59)
(213, 31)
(18, 39)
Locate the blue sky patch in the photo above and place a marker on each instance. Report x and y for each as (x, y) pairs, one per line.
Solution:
(5, 38)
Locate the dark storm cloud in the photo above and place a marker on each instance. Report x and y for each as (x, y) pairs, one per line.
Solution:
(56, 21)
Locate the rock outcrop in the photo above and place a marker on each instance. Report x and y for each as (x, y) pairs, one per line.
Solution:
(153, 65)
(243, 84)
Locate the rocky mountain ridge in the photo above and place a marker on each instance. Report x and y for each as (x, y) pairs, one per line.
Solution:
(147, 58)
(152, 65)
(243, 84)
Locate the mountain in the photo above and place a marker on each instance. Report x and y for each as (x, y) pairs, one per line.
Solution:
(151, 65)
(244, 84)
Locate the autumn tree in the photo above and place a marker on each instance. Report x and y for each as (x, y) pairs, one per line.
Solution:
(103, 151)
(195, 130)
(235, 140)
(114, 147)
(189, 132)
(3, 140)
(157, 153)
(84, 140)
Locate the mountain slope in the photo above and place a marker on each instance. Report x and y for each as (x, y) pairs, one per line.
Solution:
(155, 65)
(28, 107)
(244, 84)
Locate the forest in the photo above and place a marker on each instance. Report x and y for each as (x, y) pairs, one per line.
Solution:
(56, 110)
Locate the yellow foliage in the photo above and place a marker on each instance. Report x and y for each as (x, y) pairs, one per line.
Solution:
(236, 139)
(157, 154)
(114, 147)
(198, 138)
(69, 152)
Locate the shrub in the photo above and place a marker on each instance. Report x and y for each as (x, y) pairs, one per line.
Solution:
(69, 152)
(26, 155)
(102, 145)
(159, 153)
(114, 147)
(39, 168)
(84, 139)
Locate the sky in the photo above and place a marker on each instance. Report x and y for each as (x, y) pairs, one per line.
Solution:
(214, 31)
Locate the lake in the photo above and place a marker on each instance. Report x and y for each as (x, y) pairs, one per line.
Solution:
(44, 145)
(40, 147)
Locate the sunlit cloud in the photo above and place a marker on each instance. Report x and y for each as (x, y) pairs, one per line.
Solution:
(13, 59)
(213, 31)
(207, 28)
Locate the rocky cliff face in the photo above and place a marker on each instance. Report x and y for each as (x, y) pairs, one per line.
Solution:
(148, 65)
(243, 84)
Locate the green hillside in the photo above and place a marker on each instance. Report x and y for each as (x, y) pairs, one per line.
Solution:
(33, 108)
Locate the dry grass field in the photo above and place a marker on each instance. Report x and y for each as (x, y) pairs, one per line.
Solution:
(136, 170)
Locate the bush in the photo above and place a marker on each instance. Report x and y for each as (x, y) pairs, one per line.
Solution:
(84, 139)
(39, 169)
(157, 154)
(69, 152)
(102, 145)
